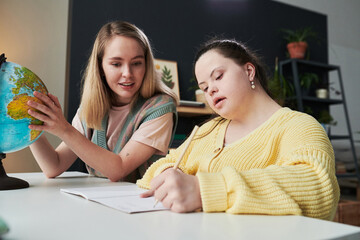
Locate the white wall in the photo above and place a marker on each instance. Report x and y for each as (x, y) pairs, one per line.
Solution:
(33, 33)
(344, 51)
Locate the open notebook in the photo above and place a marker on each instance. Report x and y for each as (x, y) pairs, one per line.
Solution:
(124, 197)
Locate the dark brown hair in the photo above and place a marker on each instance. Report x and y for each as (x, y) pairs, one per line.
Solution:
(239, 53)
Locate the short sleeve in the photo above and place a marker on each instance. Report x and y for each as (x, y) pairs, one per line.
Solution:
(76, 123)
(156, 133)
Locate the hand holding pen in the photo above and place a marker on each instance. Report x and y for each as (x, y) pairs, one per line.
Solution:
(176, 190)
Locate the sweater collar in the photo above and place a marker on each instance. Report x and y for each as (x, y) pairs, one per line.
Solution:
(220, 136)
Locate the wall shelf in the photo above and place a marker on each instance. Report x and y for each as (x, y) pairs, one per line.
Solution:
(294, 69)
(185, 111)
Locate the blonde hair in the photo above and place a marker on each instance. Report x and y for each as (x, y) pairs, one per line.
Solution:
(97, 98)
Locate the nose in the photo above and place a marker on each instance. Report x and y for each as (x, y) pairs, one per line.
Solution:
(126, 71)
(212, 89)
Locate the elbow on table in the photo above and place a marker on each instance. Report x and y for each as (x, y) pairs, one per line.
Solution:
(117, 172)
(48, 175)
(116, 177)
(52, 174)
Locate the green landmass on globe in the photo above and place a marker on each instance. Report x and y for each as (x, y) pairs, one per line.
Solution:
(17, 85)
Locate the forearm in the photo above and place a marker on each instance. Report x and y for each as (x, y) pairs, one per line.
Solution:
(103, 160)
(46, 157)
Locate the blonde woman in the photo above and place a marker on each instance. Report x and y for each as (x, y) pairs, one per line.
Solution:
(124, 107)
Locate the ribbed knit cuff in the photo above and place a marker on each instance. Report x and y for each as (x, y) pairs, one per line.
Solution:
(144, 182)
(141, 183)
(152, 172)
(162, 168)
(213, 192)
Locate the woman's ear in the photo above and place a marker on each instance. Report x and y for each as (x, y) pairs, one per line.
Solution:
(250, 71)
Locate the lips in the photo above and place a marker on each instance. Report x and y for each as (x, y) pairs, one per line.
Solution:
(218, 100)
(127, 84)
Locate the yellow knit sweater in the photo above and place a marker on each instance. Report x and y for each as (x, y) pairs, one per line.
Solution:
(285, 166)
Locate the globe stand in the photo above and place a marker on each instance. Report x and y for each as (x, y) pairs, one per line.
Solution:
(2, 58)
(9, 183)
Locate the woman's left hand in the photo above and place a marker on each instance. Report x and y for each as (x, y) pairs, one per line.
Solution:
(50, 113)
(176, 190)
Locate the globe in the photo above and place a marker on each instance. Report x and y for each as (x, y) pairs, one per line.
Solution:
(17, 85)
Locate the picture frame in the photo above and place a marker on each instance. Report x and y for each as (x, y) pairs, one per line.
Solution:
(169, 74)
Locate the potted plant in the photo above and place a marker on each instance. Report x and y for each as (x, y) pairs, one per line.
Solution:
(326, 120)
(199, 94)
(307, 80)
(324, 90)
(297, 41)
(279, 87)
(322, 93)
(193, 87)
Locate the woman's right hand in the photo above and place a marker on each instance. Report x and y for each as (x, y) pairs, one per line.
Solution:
(176, 190)
(50, 113)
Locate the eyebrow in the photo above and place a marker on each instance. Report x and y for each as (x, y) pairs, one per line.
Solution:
(212, 72)
(136, 57)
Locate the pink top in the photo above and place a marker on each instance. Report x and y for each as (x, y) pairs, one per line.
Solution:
(155, 133)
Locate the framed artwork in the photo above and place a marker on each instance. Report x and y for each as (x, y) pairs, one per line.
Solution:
(169, 74)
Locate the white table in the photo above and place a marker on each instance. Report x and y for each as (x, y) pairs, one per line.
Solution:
(43, 212)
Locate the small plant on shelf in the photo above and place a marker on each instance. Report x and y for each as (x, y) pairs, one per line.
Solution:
(297, 41)
(326, 118)
(193, 87)
(279, 87)
(307, 80)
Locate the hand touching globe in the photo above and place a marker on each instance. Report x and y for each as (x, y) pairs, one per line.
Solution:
(17, 85)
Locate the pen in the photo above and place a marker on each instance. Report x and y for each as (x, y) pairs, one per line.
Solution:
(178, 161)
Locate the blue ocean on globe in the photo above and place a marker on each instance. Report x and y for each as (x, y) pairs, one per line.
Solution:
(17, 85)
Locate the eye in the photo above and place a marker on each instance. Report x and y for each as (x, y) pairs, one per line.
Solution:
(219, 76)
(116, 64)
(205, 89)
(137, 63)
